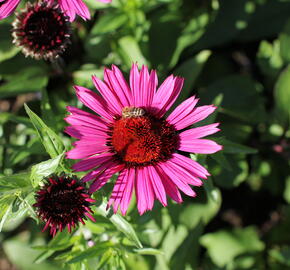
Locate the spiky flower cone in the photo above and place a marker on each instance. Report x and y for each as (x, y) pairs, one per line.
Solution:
(62, 202)
(42, 30)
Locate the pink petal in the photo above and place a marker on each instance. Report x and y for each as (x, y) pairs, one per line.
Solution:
(199, 132)
(105, 1)
(192, 117)
(83, 131)
(92, 162)
(118, 190)
(82, 118)
(199, 146)
(84, 150)
(181, 111)
(66, 8)
(192, 166)
(177, 178)
(188, 176)
(157, 185)
(108, 95)
(144, 191)
(118, 84)
(170, 187)
(7, 8)
(72, 7)
(102, 179)
(143, 85)
(126, 198)
(134, 85)
(99, 170)
(166, 95)
(94, 102)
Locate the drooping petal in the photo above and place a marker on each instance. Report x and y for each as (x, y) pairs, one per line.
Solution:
(166, 95)
(7, 8)
(92, 162)
(199, 132)
(118, 190)
(144, 191)
(103, 167)
(169, 186)
(79, 132)
(126, 198)
(192, 166)
(94, 102)
(83, 150)
(157, 185)
(177, 178)
(199, 146)
(102, 179)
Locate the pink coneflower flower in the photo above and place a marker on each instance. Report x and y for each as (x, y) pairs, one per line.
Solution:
(62, 202)
(69, 7)
(42, 30)
(131, 136)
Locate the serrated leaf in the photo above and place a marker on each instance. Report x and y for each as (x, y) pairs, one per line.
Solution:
(121, 224)
(43, 169)
(50, 140)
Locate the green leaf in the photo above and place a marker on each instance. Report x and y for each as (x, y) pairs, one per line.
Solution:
(20, 253)
(148, 251)
(108, 23)
(14, 182)
(105, 259)
(30, 79)
(287, 190)
(130, 51)
(190, 71)
(52, 143)
(281, 255)
(5, 210)
(241, 97)
(43, 169)
(120, 223)
(235, 148)
(282, 95)
(284, 39)
(224, 246)
(7, 50)
(46, 111)
(94, 251)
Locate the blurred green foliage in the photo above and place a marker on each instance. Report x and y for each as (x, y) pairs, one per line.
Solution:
(233, 53)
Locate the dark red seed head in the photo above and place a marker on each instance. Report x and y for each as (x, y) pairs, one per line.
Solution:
(139, 139)
(41, 30)
(62, 202)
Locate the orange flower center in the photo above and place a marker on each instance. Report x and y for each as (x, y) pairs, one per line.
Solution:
(139, 139)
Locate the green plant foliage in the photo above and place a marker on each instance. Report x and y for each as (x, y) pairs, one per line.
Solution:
(233, 54)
